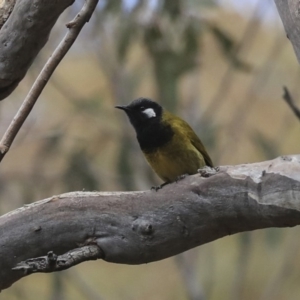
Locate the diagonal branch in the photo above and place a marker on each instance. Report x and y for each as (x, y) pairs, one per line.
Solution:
(75, 27)
(141, 227)
(28, 24)
(290, 101)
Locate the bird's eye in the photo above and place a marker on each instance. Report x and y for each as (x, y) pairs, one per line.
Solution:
(142, 108)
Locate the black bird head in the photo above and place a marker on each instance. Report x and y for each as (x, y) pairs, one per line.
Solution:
(142, 112)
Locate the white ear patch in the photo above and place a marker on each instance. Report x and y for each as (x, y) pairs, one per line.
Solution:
(149, 112)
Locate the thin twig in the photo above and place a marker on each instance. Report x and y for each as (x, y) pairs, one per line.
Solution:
(52, 262)
(290, 101)
(74, 27)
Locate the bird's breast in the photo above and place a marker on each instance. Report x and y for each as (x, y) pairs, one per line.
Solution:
(175, 158)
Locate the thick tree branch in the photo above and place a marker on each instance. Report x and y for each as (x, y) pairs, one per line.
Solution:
(75, 27)
(140, 227)
(23, 35)
(289, 11)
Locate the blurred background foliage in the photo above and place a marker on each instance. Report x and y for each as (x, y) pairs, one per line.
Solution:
(218, 64)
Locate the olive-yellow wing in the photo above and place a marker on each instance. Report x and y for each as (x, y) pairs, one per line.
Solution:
(189, 133)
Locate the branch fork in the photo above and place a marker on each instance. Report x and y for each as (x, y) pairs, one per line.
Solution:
(141, 227)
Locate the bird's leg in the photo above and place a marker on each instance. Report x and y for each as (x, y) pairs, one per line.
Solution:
(207, 171)
(156, 188)
(180, 177)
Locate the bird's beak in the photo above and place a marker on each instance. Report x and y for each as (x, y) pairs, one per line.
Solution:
(123, 107)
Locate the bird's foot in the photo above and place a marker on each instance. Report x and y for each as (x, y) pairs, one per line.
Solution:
(180, 177)
(156, 188)
(208, 171)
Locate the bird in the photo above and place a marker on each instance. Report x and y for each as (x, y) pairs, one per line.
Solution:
(169, 144)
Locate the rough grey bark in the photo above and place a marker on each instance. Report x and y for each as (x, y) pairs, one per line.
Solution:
(289, 11)
(134, 227)
(22, 36)
(140, 227)
(74, 28)
(6, 7)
